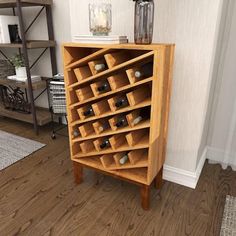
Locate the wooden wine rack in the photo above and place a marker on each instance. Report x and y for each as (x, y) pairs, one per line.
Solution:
(144, 143)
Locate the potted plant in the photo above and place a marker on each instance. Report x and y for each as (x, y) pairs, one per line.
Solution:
(19, 64)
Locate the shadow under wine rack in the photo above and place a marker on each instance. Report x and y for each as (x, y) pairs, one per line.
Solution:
(118, 100)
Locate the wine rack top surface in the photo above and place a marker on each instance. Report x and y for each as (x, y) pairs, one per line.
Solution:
(119, 46)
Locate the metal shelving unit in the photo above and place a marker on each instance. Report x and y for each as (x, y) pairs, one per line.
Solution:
(57, 101)
(23, 48)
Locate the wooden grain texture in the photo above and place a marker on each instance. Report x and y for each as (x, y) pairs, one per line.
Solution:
(112, 92)
(145, 195)
(78, 172)
(13, 83)
(161, 90)
(115, 69)
(38, 196)
(43, 115)
(30, 44)
(143, 104)
(118, 46)
(86, 59)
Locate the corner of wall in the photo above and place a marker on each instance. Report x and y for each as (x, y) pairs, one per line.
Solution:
(183, 177)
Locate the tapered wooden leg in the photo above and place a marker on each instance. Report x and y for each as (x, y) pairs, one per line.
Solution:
(145, 197)
(78, 172)
(96, 178)
(159, 179)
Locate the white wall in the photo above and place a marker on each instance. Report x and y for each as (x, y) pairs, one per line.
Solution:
(193, 26)
(62, 31)
(222, 133)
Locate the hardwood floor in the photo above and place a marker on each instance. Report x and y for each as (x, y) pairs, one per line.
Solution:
(38, 196)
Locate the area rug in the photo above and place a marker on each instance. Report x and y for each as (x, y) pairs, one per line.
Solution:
(228, 227)
(14, 148)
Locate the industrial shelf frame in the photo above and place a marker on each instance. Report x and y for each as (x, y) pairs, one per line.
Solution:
(17, 6)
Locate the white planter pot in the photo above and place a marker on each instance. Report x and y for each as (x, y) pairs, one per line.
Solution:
(20, 72)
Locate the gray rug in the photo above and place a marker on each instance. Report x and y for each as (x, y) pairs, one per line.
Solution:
(14, 148)
(228, 227)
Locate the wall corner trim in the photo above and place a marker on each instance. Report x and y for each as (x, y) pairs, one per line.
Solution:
(183, 177)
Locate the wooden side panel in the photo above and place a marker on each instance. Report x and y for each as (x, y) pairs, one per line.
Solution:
(163, 63)
(67, 59)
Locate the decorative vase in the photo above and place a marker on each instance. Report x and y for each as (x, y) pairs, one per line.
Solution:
(143, 21)
(20, 72)
(100, 19)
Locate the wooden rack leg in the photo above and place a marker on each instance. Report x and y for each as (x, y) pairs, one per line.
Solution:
(78, 172)
(145, 197)
(159, 179)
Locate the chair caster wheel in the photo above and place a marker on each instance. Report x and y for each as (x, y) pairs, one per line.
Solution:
(53, 136)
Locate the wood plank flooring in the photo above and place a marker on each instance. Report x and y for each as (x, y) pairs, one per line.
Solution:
(38, 196)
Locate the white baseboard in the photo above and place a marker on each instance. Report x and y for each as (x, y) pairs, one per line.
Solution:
(215, 155)
(183, 177)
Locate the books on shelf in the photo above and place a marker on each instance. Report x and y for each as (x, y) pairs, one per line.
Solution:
(115, 39)
(34, 78)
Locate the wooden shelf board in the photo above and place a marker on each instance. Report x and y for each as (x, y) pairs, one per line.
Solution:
(143, 143)
(140, 164)
(116, 68)
(23, 85)
(137, 175)
(12, 3)
(88, 58)
(143, 125)
(111, 92)
(110, 113)
(30, 44)
(43, 115)
(132, 46)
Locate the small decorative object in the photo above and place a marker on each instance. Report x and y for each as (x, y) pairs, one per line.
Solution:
(19, 64)
(143, 21)
(14, 34)
(100, 19)
(114, 39)
(6, 31)
(14, 99)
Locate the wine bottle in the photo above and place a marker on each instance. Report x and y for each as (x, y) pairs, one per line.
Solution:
(143, 115)
(89, 112)
(145, 71)
(76, 133)
(104, 87)
(124, 159)
(105, 144)
(103, 127)
(122, 102)
(100, 67)
(121, 122)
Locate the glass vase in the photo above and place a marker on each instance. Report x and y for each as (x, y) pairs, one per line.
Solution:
(143, 22)
(100, 19)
